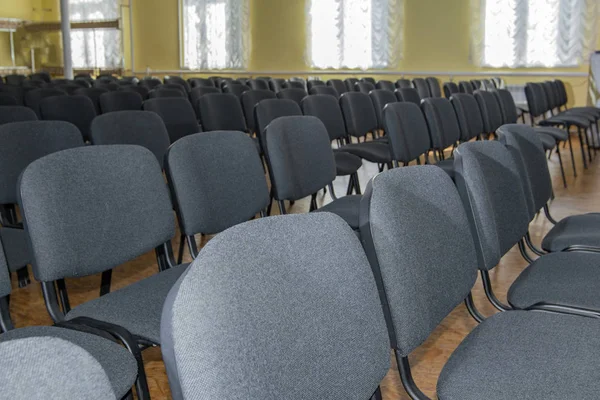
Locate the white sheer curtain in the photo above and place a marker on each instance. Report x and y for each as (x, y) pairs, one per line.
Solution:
(354, 33)
(215, 34)
(95, 48)
(533, 33)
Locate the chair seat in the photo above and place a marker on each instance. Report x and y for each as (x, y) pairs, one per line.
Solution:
(575, 120)
(346, 163)
(16, 248)
(136, 307)
(548, 142)
(525, 355)
(118, 363)
(447, 166)
(574, 230)
(579, 113)
(557, 133)
(346, 207)
(370, 151)
(569, 278)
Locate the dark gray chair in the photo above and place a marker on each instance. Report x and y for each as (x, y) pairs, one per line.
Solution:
(450, 88)
(177, 114)
(491, 113)
(294, 94)
(76, 109)
(140, 128)
(277, 85)
(469, 116)
(400, 216)
(249, 101)
(34, 97)
(466, 87)
(165, 92)
(94, 95)
(324, 90)
(216, 181)
(141, 90)
(368, 79)
(10, 114)
(296, 85)
(18, 92)
(422, 87)
(69, 88)
(444, 129)
(235, 88)
(218, 297)
(408, 94)
(477, 84)
(150, 83)
(221, 112)
(110, 86)
(123, 100)
(434, 86)
(169, 80)
(14, 79)
(258, 84)
(364, 87)
(404, 84)
(314, 83)
(201, 82)
(8, 100)
(381, 98)
(351, 84)
(301, 163)
(268, 110)
(200, 91)
(386, 85)
(338, 85)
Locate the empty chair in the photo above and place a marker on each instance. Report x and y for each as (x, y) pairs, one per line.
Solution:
(120, 101)
(380, 99)
(469, 116)
(450, 88)
(277, 85)
(112, 86)
(422, 87)
(226, 285)
(404, 84)
(386, 85)
(295, 94)
(364, 87)
(434, 86)
(177, 114)
(43, 76)
(221, 112)
(408, 95)
(166, 93)
(76, 109)
(10, 114)
(201, 82)
(8, 100)
(313, 83)
(200, 91)
(217, 180)
(368, 79)
(141, 90)
(15, 79)
(236, 89)
(94, 95)
(179, 81)
(338, 85)
(466, 87)
(301, 162)
(35, 96)
(267, 110)
(150, 83)
(258, 84)
(322, 89)
(249, 101)
(491, 113)
(70, 88)
(399, 217)
(296, 85)
(173, 86)
(476, 84)
(444, 128)
(141, 128)
(18, 92)
(351, 84)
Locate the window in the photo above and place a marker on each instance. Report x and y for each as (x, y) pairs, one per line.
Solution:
(537, 33)
(354, 33)
(215, 34)
(95, 47)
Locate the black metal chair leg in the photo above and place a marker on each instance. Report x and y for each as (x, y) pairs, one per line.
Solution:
(23, 277)
(281, 205)
(582, 148)
(562, 168)
(489, 292)
(6, 323)
(572, 155)
(473, 311)
(377, 394)
(181, 248)
(357, 188)
(105, 282)
(407, 380)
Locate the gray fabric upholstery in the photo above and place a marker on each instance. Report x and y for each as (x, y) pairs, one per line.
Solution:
(221, 112)
(177, 114)
(51, 368)
(123, 100)
(236, 89)
(434, 86)
(364, 87)
(201, 82)
(258, 84)
(525, 355)
(346, 207)
(200, 91)
(447, 166)
(386, 85)
(300, 156)
(423, 251)
(33, 98)
(408, 94)
(492, 193)
(468, 114)
(351, 84)
(23, 142)
(301, 84)
(5, 284)
(249, 100)
(218, 181)
(346, 163)
(559, 278)
(380, 99)
(338, 85)
(259, 294)
(8, 100)
(422, 87)
(78, 110)
(277, 84)
(94, 95)
(314, 83)
(403, 83)
(547, 141)
(178, 81)
(270, 109)
(359, 113)
(328, 110)
(118, 364)
(141, 90)
(325, 90)
(466, 87)
(166, 92)
(507, 106)
(407, 131)
(142, 128)
(442, 122)
(10, 114)
(557, 133)
(295, 94)
(583, 230)
(92, 208)
(450, 88)
(16, 250)
(491, 112)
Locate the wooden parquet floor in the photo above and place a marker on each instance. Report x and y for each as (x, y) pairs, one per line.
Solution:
(27, 306)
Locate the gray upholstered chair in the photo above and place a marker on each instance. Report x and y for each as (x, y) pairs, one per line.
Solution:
(216, 181)
(267, 110)
(141, 90)
(295, 94)
(277, 84)
(122, 100)
(408, 94)
(322, 89)
(450, 88)
(466, 87)
(381, 98)
(201, 82)
(235, 88)
(444, 129)
(114, 207)
(166, 92)
(177, 114)
(310, 84)
(210, 318)
(434, 86)
(364, 87)
(200, 91)
(301, 162)
(404, 84)
(351, 84)
(338, 85)
(491, 113)
(368, 79)
(249, 101)
(10, 114)
(422, 87)
(258, 84)
(94, 95)
(386, 85)
(510, 355)
(78, 110)
(33, 98)
(8, 100)
(177, 80)
(468, 115)
(221, 112)
(296, 84)
(141, 128)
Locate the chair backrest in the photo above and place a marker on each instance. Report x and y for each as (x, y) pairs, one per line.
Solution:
(69, 88)
(400, 218)
(14, 79)
(404, 84)
(325, 90)
(313, 83)
(442, 122)
(338, 85)
(217, 180)
(166, 92)
(44, 76)
(466, 87)
(200, 91)
(111, 86)
(380, 98)
(123, 100)
(386, 85)
(210, 315)
(249, 101)
(18, 92)
(351, 84)
(507, 106)
(114, 207)
(277, 85)
(551, 96)
(327, 109)
(301, 160)
(450, 88)
(236, 89)
(295, 94)
(141, 90)
(562, 91)
(359, 113)
(524, 143)
(408, 95)
(221, 112)
(434, 86)
(296, 85)
(468, 114)
(46, 367)
(368, 79)
(8, 100)
(178, 81)
(201, 82)
(491, 112)
(407, 131)
(35, 96)
(177, 114)
(487, 84)
(76, 109)
(477, 85)
(364, 87)
(150, 83)
(258, 84)
(94, 95)
(269, 109)
(5, 283)
(142, 128)
(422, 87)
(10, 114)
(492, 193)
